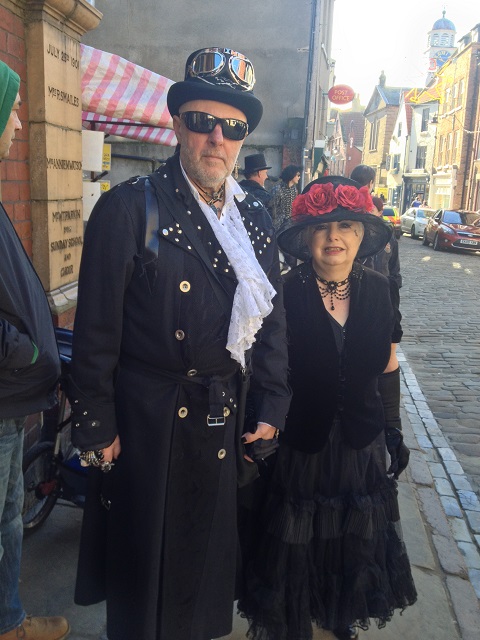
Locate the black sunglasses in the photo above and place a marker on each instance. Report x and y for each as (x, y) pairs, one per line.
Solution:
(200, 122)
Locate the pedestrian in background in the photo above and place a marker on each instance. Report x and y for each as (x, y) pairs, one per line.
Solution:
(256, 173)
(331, 549)
(386, 261)
(364, 175)
(29, 370)
(280, 206)
(179, 299)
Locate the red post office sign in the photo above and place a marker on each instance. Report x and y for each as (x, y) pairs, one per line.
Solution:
(341, 94)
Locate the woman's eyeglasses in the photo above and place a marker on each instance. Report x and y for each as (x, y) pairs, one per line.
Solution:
(200, 122)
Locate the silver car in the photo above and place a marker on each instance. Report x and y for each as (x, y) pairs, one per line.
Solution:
(414, 220)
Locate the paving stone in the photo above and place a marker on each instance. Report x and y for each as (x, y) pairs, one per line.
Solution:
(460, 530)
(460, 482)
(470, 553)
(439, 442)
(450, 506)
(474, 576)
(424, 442)
(465, 604)
(437, 470)
(469, 500)
(449, 556)
(433, 511)
(444, 487)
(473, 518)
(419, 470)
(446, 453)
(453, 467)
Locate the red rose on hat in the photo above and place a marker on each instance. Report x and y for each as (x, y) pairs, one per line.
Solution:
(354, 199)
(318, 200)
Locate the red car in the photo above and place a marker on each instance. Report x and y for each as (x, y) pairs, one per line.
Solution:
(449, 229)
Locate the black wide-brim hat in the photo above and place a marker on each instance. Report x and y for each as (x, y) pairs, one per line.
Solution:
(293, 240)
(197, 89)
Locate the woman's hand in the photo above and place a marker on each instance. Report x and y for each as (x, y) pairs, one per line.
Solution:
(113, 451)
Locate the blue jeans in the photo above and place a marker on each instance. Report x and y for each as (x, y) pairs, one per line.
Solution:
(11, 526)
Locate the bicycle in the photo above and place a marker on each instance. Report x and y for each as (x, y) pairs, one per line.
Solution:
(51, 468)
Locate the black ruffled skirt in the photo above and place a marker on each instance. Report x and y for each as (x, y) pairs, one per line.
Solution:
(331, 551)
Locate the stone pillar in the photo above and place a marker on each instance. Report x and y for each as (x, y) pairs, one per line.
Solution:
(53, 29)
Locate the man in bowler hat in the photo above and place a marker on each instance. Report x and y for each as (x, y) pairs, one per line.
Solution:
(256, 173)
(179, 298)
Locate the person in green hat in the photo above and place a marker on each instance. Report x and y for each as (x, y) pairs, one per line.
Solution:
(29, 369)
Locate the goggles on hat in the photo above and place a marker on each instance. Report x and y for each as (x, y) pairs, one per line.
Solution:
(200, 122)
(217, 65)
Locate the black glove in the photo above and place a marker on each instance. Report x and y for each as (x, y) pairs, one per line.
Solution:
(389, 389)
(398, 451)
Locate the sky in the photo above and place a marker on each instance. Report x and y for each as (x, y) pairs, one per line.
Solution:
(375, 35)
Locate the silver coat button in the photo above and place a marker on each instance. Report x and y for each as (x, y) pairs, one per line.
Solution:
(221, 454)
(192, 372)
(183, 412)
(179, 334)
(184, 286)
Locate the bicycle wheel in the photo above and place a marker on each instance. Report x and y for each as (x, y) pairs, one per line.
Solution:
(41, 485)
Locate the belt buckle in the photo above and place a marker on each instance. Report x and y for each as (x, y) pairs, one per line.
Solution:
(215, 422)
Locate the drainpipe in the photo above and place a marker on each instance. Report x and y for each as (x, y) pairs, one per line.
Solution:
(309, 110)
(471, 138)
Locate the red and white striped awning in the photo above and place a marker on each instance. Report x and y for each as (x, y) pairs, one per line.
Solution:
(124, 99)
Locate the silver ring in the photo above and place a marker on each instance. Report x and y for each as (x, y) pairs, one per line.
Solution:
(106, 466)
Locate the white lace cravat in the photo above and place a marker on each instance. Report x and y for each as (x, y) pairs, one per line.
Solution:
(252, 301)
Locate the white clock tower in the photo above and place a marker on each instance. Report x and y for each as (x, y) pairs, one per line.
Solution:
(441, 44)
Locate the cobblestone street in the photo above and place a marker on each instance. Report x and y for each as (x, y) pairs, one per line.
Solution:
(440, 303)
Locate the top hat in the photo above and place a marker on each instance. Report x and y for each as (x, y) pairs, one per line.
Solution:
(255, 162)
(332, 199)
(221, 75)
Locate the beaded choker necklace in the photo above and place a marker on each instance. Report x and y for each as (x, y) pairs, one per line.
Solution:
(339, 290)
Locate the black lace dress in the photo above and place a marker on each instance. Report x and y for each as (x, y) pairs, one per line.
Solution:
(331, 551)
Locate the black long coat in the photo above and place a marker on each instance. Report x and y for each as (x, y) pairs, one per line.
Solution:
(159, 537)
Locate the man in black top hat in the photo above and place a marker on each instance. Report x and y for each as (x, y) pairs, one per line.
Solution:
(179, 297)
(256, 172)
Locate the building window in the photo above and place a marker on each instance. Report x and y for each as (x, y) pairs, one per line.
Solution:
(448, 150)
(455, 147)
(461, 87)
(425, 116)
(454, 96)
(445, 39)
(396, 161)
(374, 135)
(387, 162)
(421, 157)
(448, 96)
(399, 132)
(441, 146)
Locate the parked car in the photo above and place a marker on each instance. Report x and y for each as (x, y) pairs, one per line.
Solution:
(449, 229)
(414, 220)
(391, 215)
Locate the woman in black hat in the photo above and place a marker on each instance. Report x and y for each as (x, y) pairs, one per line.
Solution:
(332, 550)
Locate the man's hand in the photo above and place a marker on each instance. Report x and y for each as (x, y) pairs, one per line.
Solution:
(264, 431)
(260, 442)
(113, 451)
